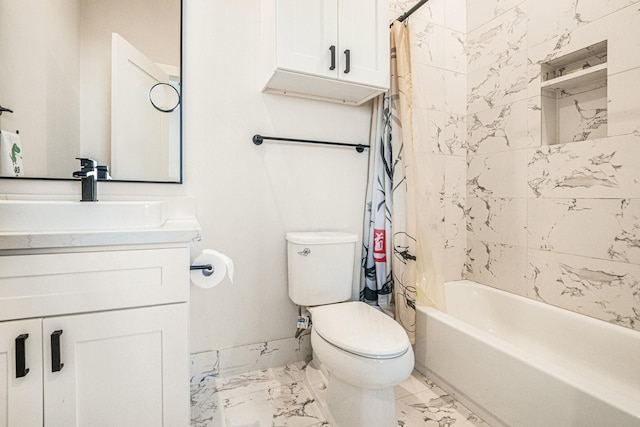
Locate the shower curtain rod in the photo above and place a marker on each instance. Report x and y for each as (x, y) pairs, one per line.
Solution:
(408, 13)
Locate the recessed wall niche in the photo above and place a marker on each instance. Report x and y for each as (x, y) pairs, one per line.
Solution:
(574, 96)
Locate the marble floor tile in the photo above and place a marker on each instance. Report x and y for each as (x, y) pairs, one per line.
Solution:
(279, 397)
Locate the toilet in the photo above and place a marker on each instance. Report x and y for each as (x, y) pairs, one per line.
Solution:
(359, 353)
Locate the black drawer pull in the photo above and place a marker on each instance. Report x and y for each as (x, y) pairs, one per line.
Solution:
(21, 359)
(347, 54)
(56, 366)
(333, 57)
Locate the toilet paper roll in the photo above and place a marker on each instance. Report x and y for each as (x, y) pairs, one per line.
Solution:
(222, 266)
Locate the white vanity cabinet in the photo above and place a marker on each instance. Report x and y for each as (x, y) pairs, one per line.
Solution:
(107, 337)
(334, 50)
(20, 394)
(120, 368)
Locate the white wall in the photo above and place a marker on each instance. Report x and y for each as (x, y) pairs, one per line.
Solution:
(248, 197)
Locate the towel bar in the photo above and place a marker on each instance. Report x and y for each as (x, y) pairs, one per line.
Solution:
(258, 139)
(3, 109)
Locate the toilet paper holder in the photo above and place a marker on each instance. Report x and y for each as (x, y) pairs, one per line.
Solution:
(207, 269)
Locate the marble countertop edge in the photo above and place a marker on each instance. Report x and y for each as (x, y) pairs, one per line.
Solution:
(173, 230)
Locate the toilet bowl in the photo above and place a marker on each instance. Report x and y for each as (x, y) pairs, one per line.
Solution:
(360, 344)
(359, 353)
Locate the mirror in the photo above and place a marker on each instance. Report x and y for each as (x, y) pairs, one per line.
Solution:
(78, 75)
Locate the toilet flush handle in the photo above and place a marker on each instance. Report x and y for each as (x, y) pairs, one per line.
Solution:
(305, 252)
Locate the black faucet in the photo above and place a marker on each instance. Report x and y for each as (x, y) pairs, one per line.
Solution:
(103, 173)
(89, 176)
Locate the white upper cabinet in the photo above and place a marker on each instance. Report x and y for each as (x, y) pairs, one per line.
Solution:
(307, 32)
(364, 32)
(334, 50)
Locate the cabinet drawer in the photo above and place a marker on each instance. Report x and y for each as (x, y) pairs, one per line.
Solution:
(49, 284)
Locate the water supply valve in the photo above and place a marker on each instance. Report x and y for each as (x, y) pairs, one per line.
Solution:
(304, 322)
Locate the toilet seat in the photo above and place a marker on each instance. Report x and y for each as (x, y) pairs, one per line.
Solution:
(360, 329)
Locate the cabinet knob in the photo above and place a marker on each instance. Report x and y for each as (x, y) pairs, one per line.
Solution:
(332, 49)
(21, 360)
(347, 54)
(56, 366)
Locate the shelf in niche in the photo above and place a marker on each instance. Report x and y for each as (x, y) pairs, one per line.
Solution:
(574, 96)
(568, 81)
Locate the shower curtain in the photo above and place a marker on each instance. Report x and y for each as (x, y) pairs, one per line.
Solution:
(401, 186)
(376, 284)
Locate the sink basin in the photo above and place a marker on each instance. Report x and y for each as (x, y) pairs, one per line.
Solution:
(61, 215)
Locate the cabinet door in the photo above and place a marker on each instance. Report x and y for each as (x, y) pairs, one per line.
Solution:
(21, 391)
(120, 368)
(306, 31)
(364, 32)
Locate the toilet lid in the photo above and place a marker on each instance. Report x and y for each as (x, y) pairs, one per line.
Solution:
(360, 329)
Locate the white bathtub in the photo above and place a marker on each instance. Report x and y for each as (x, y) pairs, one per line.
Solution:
(517, 362)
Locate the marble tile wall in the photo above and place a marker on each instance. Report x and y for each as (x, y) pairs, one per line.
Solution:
(439, 67)
(582, 113)
(558, 223)
(226, 362)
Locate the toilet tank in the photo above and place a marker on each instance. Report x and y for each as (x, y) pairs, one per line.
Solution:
(320, 267)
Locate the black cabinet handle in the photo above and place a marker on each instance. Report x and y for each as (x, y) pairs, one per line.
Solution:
(21, 362)
(56, 366)
(333, 57)
(347, 54)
